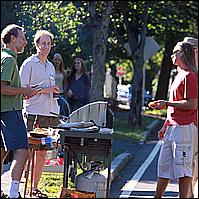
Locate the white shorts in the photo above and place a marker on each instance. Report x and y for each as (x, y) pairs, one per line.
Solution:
(176, 156)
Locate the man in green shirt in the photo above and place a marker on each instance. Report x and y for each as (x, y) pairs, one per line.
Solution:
(13, 130)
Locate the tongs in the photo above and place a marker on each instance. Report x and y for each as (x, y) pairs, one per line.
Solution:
(36, 85)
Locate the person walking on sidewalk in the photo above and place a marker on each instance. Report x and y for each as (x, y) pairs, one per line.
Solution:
(180, 128)
(13, 129)
(38, 71)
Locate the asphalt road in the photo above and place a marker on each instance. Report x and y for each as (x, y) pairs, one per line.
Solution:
(138, 179)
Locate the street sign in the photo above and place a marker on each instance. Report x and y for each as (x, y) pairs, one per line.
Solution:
(120, 71)
(151, 47)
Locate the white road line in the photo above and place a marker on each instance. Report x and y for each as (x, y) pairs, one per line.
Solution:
(130, 185)
(151, 197)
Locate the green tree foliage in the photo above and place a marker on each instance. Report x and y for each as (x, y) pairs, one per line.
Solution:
(168, 22)
(8, 15)
(178, 19)
(60, 18)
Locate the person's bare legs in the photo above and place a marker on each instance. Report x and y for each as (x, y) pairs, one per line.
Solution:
(161, 187)
(39, 166)
(16, 170)
(190, 191)
(194, 181)
(3, 157)
(192, 187)
(184, 186)
(18, 163)
(194, 178)
(195, 175)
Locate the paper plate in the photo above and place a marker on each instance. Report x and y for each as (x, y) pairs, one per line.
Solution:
(37, 135)
(39, 132)
(92, 129)
(76, 124)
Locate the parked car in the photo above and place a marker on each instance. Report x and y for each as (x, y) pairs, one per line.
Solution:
(124, 95)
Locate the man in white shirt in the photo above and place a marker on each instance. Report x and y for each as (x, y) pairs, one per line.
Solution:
(37, 71)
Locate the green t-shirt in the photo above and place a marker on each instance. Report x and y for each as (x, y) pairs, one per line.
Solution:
(10, 73)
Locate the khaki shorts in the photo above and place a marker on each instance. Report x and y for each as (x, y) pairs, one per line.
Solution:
(176, 155)
(40, 121)
(34, 121)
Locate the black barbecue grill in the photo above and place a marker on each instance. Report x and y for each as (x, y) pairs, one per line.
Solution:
(90, 144)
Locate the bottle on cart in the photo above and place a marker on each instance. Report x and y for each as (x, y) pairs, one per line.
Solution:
(47, 141)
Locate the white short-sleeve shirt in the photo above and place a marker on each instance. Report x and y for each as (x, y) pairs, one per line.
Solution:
(33, 72)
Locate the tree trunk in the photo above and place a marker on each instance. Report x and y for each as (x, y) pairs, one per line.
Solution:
(150, 76)
(163, 83)
(136, 101)
(137, 50)
(100, 36)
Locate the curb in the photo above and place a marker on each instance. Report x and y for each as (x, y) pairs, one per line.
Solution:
(151, 128)
(117, 165)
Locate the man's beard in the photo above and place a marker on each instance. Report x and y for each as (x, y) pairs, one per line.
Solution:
(20, 50)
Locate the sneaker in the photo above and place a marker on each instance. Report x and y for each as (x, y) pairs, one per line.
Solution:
(18, 196)
(37, 193)
(3, 195)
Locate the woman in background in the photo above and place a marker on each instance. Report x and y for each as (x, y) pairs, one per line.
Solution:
(61, 82)
(60, 73)
(78, 85)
